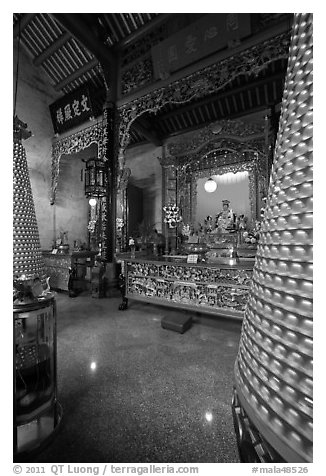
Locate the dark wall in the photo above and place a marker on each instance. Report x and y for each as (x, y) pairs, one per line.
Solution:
(135, 207)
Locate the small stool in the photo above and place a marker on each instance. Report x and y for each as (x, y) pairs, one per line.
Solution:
(177, 322)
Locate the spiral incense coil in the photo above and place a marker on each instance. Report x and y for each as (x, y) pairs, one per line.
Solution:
(27, 255)
(273, 370)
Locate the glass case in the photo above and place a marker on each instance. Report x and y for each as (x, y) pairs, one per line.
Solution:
(36, 410)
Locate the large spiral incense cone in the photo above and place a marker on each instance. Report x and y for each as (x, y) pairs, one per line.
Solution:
(273, 370)
(27, 256)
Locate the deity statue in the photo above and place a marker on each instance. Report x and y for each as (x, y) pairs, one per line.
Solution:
(225, 219)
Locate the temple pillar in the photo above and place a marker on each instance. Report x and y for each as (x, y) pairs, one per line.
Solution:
(109, 155)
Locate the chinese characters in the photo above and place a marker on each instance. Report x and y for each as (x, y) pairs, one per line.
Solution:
(74, 109)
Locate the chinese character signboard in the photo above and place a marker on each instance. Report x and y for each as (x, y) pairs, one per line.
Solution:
(211, 33)
(72, 110)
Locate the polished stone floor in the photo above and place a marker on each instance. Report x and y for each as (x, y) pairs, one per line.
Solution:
(134, 392)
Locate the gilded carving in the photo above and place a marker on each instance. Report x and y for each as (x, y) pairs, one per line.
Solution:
(70, 145)
(204, 82)
(137, 75)
(198, 286)
(227, 129)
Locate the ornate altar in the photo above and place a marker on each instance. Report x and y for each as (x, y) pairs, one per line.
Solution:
(234, 154)
(220, 287)
(226, 147)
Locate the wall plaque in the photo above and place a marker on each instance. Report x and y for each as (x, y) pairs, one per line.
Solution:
(71, 110)
(211, 33)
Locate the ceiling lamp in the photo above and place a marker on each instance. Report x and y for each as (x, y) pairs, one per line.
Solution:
(210, 186)
(95, 182)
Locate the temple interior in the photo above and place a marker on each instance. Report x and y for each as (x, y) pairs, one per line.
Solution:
(162, 246)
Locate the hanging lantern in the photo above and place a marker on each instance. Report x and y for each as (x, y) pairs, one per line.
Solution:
(95, 178)
(210, 186)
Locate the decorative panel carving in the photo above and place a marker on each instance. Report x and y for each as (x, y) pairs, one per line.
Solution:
(143, 45)
(228, 131)
(201, 287)
(70, 145)
(137, 75)
(204, 82)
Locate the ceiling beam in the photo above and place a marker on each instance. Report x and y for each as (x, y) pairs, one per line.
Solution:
(226, 100)
(214, 109)
(23, 22)
(223, 95)
(250, 99)
(220, 107)
(257, 96)
(78, 27)
(235, 106)
(76, 74)
(74, 23)
(266, 93)
(179, 124)
(200, 126)
(52, 48)
(113, 35)
(157, 21)
(242, 101)
(254, 110)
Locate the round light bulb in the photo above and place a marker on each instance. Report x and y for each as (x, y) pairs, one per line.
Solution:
(210, 186)
(92, 202)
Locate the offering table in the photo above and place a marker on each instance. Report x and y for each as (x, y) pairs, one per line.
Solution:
(220, 287)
